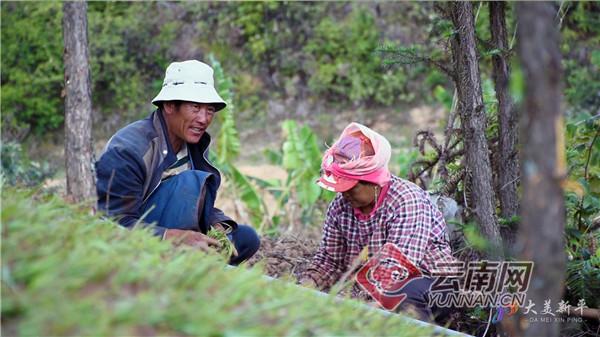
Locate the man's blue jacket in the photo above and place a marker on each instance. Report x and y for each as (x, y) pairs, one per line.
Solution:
(131, 167)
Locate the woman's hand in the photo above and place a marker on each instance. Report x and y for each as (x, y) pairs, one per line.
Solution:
(308, 282)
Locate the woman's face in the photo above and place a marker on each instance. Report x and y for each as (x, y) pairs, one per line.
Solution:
(361, 195)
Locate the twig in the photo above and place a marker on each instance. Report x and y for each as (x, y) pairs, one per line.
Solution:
(512, 41)
(477, 14)
(341, 283)
(429, 137)
(466, 178)
(427, 166)
(412, 58)
(562, 13)
(488, 323)
(448, 132)
(587, 163)
(510, 182)
(585, 173)
(283, 257)
(589, 119)
(112, 175)
(452, 182)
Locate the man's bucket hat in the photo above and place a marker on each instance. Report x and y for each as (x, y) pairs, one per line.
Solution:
(190, 81)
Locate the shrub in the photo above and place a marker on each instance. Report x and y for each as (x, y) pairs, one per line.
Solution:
(344, 63)
(32, 67)
(17, 169)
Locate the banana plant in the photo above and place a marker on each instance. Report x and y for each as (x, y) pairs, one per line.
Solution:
(302, 160)
(228, 148)
(228, 141)
(300, 156)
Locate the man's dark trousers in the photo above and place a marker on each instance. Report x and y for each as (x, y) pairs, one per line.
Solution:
(182, 202)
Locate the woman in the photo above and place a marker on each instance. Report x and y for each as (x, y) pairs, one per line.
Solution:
(372, 208)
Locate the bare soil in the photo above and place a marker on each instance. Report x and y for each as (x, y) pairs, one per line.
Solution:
(285, 255)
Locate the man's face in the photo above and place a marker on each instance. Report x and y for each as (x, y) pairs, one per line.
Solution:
(188, 121)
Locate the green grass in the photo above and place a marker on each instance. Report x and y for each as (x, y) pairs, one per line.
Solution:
(66, 272)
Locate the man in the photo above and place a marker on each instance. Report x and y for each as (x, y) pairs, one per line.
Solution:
(374, 208)
(156, 170)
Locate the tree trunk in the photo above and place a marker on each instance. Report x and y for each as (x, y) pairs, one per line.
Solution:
(473, 123)
(78, 104)
(543, 164)
(508, 169)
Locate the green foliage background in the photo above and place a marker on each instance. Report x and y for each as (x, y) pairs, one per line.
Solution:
(272, 49)
(583, 205)
(128, 54)
(320, 52)
(32, 66)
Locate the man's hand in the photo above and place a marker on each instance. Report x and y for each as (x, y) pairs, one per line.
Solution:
(223, 227)
(191, 238)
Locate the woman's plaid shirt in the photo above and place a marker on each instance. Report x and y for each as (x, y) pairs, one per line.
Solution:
(406, 218)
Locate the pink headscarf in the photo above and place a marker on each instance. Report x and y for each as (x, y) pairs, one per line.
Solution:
(359, 154)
